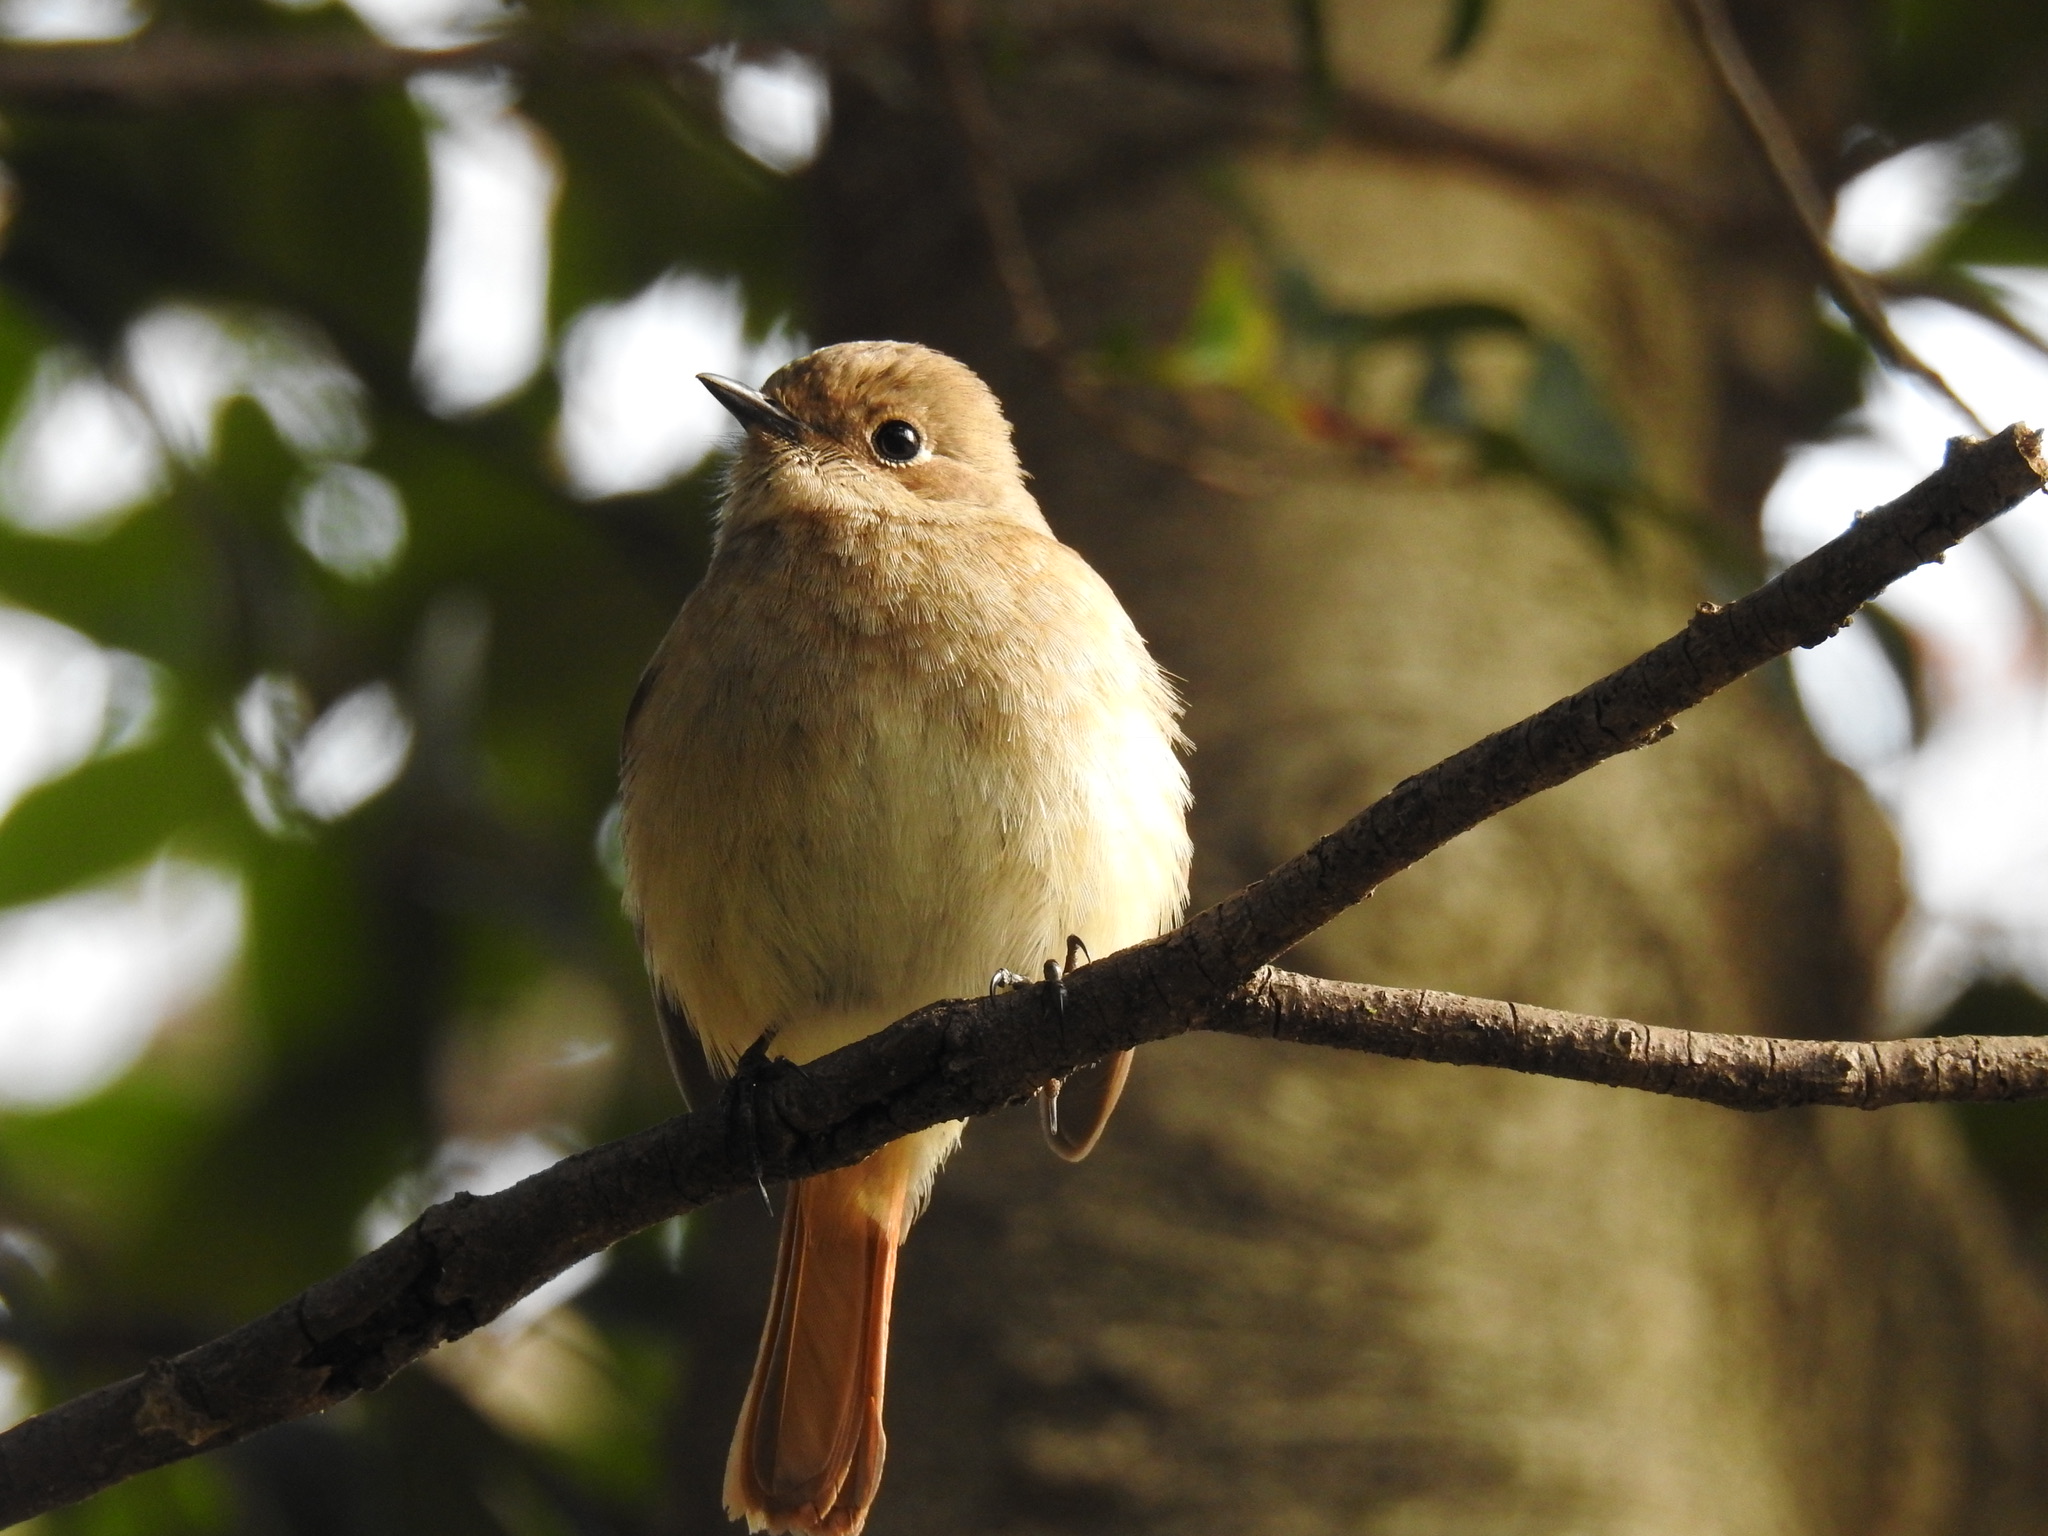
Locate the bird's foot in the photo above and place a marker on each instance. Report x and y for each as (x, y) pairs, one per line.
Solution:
(1006, 980)
(1056, 978)
(752, 1076)
(1098, 1086)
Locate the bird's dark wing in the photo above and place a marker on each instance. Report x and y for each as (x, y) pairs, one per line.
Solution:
(642, 691)
(685, 1055)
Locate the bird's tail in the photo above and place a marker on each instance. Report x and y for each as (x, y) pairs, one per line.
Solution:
(807, 1456)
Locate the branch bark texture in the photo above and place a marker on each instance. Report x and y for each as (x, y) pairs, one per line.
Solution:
(1753, 1072)
(465, 1261)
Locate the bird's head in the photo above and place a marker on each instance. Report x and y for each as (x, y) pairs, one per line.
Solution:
(872, 429)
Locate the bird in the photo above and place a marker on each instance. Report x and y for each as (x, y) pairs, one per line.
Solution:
(899, 740)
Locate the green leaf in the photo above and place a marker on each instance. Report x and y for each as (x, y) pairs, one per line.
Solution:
(187, 1498)
(1942, 65)
(115, 812)
(651, 184)
(146, 586)
(1232, 334)
(1312, 48)
(1468, 18)
(1902, 650)
(23, 340)
(1442, 400)
(2012, 231)
(315, 206)
(251, 471)
(1570, 432)
(2007, 1140)
(1308, 317)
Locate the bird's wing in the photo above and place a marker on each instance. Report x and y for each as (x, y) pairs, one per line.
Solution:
(685, 1051)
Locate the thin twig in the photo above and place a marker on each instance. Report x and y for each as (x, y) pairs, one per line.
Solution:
(1037, 327)
(465, 1261)
(1268, 98)
(1849, 287)
(1033, 320)
(1967, 293)
(1257, 99)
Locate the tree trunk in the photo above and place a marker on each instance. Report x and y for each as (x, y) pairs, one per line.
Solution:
(1297, 1291)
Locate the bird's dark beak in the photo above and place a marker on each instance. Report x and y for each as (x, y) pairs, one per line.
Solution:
(752, 409)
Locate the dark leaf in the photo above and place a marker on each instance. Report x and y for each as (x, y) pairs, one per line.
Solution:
(1467, 20)
(117, 811)
(1902, 650)
(1312, 49)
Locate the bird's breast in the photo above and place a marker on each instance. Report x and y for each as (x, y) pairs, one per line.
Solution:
(857, 785)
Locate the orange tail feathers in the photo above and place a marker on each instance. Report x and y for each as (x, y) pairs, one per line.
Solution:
(807, 1456)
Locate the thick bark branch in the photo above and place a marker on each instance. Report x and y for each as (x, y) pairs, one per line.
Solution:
(162, 69)
(465, 1261)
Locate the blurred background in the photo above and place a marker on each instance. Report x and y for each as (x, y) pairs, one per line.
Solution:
(352, 465)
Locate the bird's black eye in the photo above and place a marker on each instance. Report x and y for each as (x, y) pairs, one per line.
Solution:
(897, 441)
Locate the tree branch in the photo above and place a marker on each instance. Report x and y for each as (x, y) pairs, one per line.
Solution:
(1273, 99)
(465, 1261)
(1037, 328)
(164, 68)
(1801, 606)
(1033, 321)
(1849, 286)
(161, 69)
(1752, 1072)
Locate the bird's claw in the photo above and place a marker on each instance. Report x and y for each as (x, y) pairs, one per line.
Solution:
(1072, 1149)
(1056, 978)
(750, 1078)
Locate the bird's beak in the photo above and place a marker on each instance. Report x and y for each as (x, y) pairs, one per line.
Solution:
(752, 409)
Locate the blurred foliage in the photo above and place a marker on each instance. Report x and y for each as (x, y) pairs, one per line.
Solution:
(2010, 1140)
(1467, 20)
(235, 1164)
(1902, 649)
(446, 967)
(1312, 58)
(1943, 67)
(1403, 388)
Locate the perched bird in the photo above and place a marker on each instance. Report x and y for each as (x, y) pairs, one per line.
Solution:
(899, 739)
